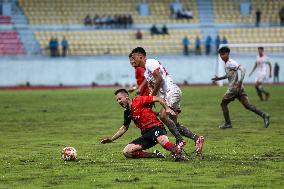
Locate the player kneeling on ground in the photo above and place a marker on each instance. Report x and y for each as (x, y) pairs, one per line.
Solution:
(152, 129)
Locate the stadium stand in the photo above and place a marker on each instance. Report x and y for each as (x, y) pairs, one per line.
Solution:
(229, 11)
(254, 35)
(10, 43)
(118, 41)
(73, 11)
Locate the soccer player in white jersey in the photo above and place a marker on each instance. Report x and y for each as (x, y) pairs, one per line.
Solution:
(261, 73)
(161, 84)
(236, 89)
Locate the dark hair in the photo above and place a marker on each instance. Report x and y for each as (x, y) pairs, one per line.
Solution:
(260, 48)
(130, 54)
(121, 91)
(224, 50)
(139, 50)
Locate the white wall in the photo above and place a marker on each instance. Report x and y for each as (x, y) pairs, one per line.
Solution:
(108, 70)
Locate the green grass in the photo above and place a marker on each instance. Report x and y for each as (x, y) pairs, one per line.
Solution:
(36, 125)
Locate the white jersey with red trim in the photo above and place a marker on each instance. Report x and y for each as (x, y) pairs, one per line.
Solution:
(231, 69)
(167, 83)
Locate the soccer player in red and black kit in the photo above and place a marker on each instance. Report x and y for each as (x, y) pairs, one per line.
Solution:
(142, 85)
(152, 129)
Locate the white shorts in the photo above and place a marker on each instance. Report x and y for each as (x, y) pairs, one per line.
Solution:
(260, 77)
(173, 98)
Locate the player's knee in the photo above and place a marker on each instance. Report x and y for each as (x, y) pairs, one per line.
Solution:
(126, 153)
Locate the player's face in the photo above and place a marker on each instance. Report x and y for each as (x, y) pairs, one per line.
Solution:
(122, 100)
(131, 60)
(260, 52)
(224, 56)
(137, 58)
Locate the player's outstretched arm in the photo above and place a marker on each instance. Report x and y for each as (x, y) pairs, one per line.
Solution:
(117, 135)
(254, 67)
(163, 103)
(216, 78)
(270, 68)
(158, 83)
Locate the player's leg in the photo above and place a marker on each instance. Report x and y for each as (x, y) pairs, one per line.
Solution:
(160, 137)
(228, 97)
(170, 124)
(260, 88)
(244, 100)
(258, 91)
(172, 98)
(135, 151)
(136, 148)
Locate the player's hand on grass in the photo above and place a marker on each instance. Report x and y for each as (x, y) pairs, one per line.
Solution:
(106, 140)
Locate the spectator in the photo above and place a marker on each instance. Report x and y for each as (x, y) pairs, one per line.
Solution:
(109, 21)
(185, 42)
(129, 20)
(104, 20)
(165, 30)
(88, 20)
(56, 45)
(281, 16)
(124, 21)
(258, 17)
(197, 46)
(208, 42)
(217, 42)
(65, 45)
(188, 14)
(95, 20)
(184, 14)
(139, 34)
(154, 30)
(276, 73)
(224, 41)
(52, 47)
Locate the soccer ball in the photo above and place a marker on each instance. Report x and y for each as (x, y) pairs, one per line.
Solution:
(69, 154)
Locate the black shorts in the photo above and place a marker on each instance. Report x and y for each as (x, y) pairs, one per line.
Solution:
(231, 94)
(149, 137)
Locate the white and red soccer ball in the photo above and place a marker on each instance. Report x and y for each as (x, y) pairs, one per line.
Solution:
(69, 154)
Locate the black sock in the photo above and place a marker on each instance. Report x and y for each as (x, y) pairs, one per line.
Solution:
(259, 93)
(263, 91)
(173, 129)
(255, 110)
(226, 114)
(186, 132)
